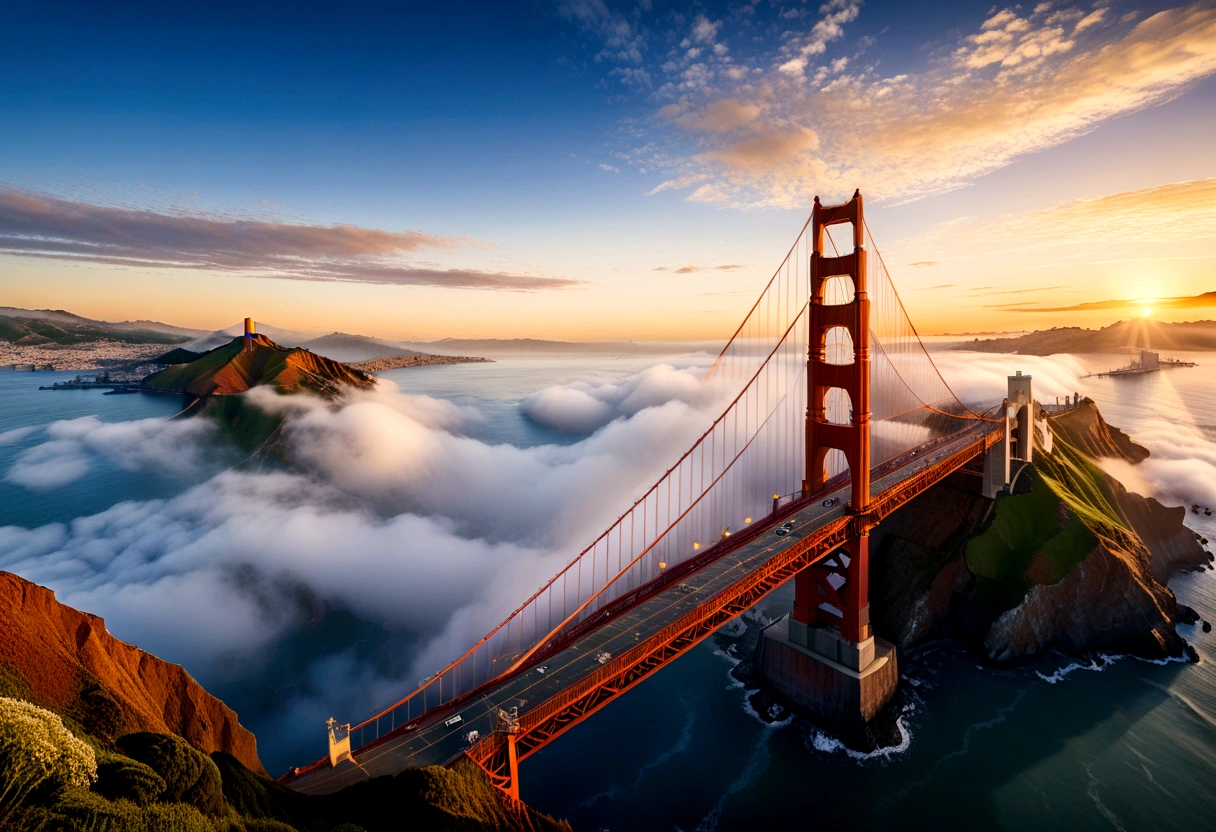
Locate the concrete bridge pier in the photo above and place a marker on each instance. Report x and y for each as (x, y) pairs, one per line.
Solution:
(823, 659)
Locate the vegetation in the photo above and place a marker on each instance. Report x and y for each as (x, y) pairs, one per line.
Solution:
(39, 758)
(189, 775)
(122, 778)
(54, 781)
(35, 331)
(1036, 538)
(178, 355)
(1033, 539)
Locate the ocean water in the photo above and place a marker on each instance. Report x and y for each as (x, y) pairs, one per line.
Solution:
(1114, 744)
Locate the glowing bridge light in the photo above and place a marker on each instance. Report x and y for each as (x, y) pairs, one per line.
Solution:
(696, 546)
(747, 519)
(662, 564)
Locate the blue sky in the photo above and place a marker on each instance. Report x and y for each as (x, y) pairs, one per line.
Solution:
(583, 144)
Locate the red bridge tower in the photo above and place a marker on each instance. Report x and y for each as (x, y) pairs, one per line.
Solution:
(823, 658)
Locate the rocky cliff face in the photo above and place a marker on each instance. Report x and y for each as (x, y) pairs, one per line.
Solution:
(65, 660)
(1073, 561)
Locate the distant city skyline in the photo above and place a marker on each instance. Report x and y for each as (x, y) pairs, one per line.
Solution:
(583, 170)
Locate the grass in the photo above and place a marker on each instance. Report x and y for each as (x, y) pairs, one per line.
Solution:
(1039, 537)
(42, 331)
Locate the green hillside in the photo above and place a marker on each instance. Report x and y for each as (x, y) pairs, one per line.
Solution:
(35, 331)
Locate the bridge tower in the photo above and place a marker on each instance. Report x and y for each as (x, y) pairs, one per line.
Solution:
(823, 657)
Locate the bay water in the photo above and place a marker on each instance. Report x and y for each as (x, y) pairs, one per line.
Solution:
(1116, 743)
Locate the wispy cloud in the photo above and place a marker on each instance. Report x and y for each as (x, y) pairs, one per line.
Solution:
(726, 267)
(1166, 213)
(37, 225)
(797, 121)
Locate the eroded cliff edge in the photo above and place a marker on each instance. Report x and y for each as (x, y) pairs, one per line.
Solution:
(1071, 561)
(65, 660)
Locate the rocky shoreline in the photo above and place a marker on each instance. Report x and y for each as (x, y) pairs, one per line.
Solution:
(380, 365)
(1071, 564)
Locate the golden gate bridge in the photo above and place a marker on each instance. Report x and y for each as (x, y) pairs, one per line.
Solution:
(838, 417)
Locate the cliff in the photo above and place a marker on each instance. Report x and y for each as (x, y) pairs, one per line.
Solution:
(65, 660)
(1071, 561)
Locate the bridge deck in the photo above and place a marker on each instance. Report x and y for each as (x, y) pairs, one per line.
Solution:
(430, 740)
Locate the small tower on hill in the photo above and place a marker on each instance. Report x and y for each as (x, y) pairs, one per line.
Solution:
(250, 328)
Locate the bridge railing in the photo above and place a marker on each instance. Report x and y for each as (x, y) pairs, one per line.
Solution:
(749, 456)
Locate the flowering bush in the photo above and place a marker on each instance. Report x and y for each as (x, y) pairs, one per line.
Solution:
(37, 753)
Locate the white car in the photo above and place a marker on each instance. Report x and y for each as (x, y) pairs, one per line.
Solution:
(603, 657)
(456, 720)
(543, 669)
(472, 737)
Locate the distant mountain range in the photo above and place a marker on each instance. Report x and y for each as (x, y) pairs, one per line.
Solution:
(45, 326)
(533, 346)
(38, 327)
(1191, 336)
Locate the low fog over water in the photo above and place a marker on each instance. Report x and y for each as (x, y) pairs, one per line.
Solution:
(416, 517)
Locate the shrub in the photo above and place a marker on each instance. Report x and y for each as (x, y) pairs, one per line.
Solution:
(121, 778)
(37, 755)
(177, 817)
(267, 825)
(78, 810)
(189, 775)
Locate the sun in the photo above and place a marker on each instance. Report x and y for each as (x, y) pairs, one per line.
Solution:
(1146, 312)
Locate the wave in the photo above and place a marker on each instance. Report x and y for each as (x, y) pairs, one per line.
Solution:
(1102, 662)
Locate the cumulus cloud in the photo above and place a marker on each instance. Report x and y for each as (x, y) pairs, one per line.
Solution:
(1023, 82)
(586, 406)
(390, 511)
(179, 447)
(42, 226)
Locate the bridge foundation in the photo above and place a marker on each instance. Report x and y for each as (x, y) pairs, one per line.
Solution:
(837, 683)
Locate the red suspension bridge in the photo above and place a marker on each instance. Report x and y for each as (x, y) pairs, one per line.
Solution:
(838, 417)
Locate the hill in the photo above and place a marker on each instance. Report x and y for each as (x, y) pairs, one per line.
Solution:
(283, 337)
(96, 734)
(1071, 561)
(1193, 335)
(534, 346)
(347, 348)
(63, 328)
(65, 660)
(232, 369)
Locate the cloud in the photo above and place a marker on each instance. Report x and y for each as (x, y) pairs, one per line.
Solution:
(381, 482)
(1175, 211)
(37, 225)
(586, 406)
(609, 168)
(621, 36)
(767, 153)
(725, 267)
(921, 263)
(1022, 83)
(180, 447)
(721, 116)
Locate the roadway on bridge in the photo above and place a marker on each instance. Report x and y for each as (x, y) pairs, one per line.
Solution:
(439, 737)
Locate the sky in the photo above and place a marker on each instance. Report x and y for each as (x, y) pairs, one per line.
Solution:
(587, 170)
